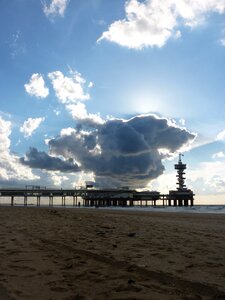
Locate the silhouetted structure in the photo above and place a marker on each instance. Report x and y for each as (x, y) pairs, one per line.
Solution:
(182, 196)
(89, 196)
(180, 167)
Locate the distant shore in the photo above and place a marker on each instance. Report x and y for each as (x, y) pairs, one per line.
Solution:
(110, 254)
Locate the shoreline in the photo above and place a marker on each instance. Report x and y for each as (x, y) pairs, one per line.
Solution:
(54, 253)
(196, 209)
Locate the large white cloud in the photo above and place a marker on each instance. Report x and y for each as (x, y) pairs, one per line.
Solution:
(55, 8)
(11, 170)
(79, 113)
(69, 89)
(153, 22)
(30, 125)
(36, 86)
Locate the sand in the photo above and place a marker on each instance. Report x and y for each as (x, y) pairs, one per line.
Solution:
(101, 254)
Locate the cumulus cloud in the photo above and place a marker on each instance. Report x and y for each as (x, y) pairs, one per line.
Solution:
(36, 86)
(10, 168)
(69, 89)
(30, 125)
(79, 113)
(41, 160)
(122, 152)
(67, 131)
(55, 8)
(208, 177)
(221, 136)
(57, 179)
(5, 131)
(152, 23)
(218, 155)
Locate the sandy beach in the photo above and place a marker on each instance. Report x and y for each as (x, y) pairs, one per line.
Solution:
(103, 254)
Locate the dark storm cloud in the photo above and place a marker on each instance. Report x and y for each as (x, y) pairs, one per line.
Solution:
(41, 160)
(123, 152)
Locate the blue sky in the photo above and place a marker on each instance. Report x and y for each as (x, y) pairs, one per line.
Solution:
(111, 91)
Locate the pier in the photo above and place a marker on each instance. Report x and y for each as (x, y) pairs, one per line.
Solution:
(91, 197)
(81, 196)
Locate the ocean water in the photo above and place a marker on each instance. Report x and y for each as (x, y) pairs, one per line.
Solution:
(215, 209)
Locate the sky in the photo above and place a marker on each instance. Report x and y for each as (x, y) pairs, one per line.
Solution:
(111, 92)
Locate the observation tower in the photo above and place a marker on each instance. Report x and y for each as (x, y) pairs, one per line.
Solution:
(180, 167)
(182, 196)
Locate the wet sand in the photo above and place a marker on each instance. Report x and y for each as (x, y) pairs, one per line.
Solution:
(77, 254)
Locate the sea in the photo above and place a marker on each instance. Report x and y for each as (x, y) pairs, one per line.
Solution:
(212, 209)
